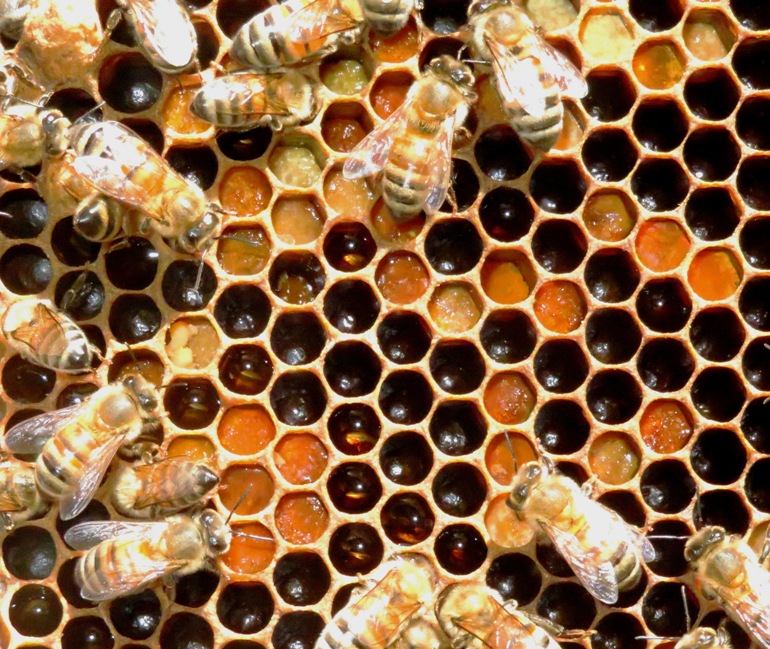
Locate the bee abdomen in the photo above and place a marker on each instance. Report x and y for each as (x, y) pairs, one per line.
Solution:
(337, 635)
(61, 463)
(628, 569)
(543, 131)
(386, 17)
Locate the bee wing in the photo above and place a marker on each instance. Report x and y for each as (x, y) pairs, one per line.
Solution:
(513, 630)
(752, 612)
(256, 84)
(370, 155)
(95, 467)
(144, 570)
(84, 536)
(110, 177)
(161, 22)
(518, 79)
(440, 160)
(563, 71)
(319, 19)
(30, 435)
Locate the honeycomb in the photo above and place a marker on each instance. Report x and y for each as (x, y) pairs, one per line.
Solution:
(608, 299)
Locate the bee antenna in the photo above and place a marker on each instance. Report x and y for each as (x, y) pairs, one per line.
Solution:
(238, 504)
(199, 276)
(256, 537)
(686, 609)
(6, 97)
(90, 112)
(130, 351)
(655, 637)
(513, 453)
(696, 510)
(72, 292)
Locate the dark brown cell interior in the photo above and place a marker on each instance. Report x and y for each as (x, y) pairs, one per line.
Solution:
(611, 94)
(609, 155)
(297, 277)
(131, 264)
(403, 337)
(245, 369)
(752, 122)
(129, 83)
(453, 246)
(718, 393)
(515, 576)
(442, 46)
(669, 558)
(561, 426)
(23, 214)
(749, 63)
(134, 318)
(711, 154)
(663, 609)
(191, 403)
(667, 486)
(508, 336)
(407, 518)
(612, 335)
(242, 310)
(659, 184)
(247, 608)
(26, 382)
(445, 17)
(405, 397)
(75, 104)
(717, 334)
(754, 303)
(186, 631)
(712, 214)
(355, 548)
(460, 549)
(457, 366)
(457, 427)
(560, 366)
(349, 246)
(659, 124)
(711, 93)
(196, 589)
(35, 610)
(464, 188)
(297, 337)
(613, 396)
(196, 164)
(80, 294)
(725, 508)
(147, 130)
(65, 579)
(568, 604)
(354, 428)
(559, 246)
(665, 364)
(297, 630)
(500, 154)
(664, 305)
(29, 552)
(136, 616)
(754, 357)
(354, 487)
(755, 242)
(558, 186)
(301, 579)
(459, 489)
(506, 214)
(406, 458)
(298, 398)
(188, 285)
(718, 456)
(25, 269)
(352, 369)
(611, 275)
(245, 145)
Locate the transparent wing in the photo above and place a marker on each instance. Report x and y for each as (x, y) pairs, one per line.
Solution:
(518, 80)
(144, 571)
(239, 89)
(514, 630)
(30, 435)
(168, 29)
(569, 79)
(752, 612)
(110, 177)
(371, 154)
(319, 19)
(84, 536)
(96, 466)
(440, 161)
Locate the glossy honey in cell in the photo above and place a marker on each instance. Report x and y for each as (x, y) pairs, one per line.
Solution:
(715, 274)
(402, 278)
(194, 447)
(243, 251)
(248, 555)
(245, 430)
(301, 518)
(501, 464)
(661, 244)
(658, 65)
(608, 216)
(249, 484)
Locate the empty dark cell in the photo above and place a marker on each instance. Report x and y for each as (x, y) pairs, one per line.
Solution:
(74, 394)
(465, 184)
(725, 508)
(656, 16)
(459, 489)
(755, 425)
(136, 616)
(437, 47)
(664, 305)
(131, 264)
(354, 428)
(618, 630)
(23, 214)
(551, 560)
(659, 124)
(561, 366)
(665, 365)
(613, 396)
(752, 123)
(623, 503)
(561, 427)
(35, 610)
(74, 103)
(609, 155)
(65, 579)
(70, 247)
(191, 403)
(508, 336)
(129, 83)
(711, 93)
(233, 14)
(26, 382)
(352, 369)
(500, 154)
(669, 558)
(611, 94)
(660, 184)
(298, 398)
(667, 486)
(146, 130)
(754, 303)
(134, 318)
(460, 549)
(245, 369)
(196, 589)
(559, 246)
(406, 458)
(457, 366)
(612, 336)
(403, 337)
(558, 186)
(243, 311)
(751, 62)
(208, 44)
(718, 456)
(188, 287)
(186, 631)
(405, 397)
(663, 609)
(80, 294)
(514, 576)
(407, 519)
(567, 604)
(711, 154)
(445, 16)
(300, 578)
(237, 644)
(739, 639)
(25, 269)
(506, 214)
(247, 608)
(611, 275)
(349, 247)
(94, 511)
(754, 15)
(453, 246)
(355, 548)
(711, 213)
(755, 242)
(297, 337)
(197, 165)
(751, 181)
(757, 485)
(29, 552)
(457, 427)
(297, 630)
(717, 334)
(754, 364)
(88, 632)
(245, 145)
(718, 393)
(354, 488)
(351, 306)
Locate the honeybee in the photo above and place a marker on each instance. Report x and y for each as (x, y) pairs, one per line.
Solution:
(119, 165)
(124, 558)
(245, 100)
(302, 30)
(383, 612)
(13, 13)
(705, 638)
(37, 330)
(420, 633)
(164, 32)
(414, 145)
(19, 498)
(29, 133)
(727, 570)
(604, 551)
(531, 74)
(77, 444)
(158, 489)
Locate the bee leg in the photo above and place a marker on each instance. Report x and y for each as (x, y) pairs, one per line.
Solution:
(169, 587)
(7, 521)
(22, 173)
(452, 199)
(112, 22)
(588, 486)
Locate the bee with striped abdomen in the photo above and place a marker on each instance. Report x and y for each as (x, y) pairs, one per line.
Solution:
(530, 74)
(602, 549)
(413, 147)
(19, 498)
(77, 444)
(244, 100)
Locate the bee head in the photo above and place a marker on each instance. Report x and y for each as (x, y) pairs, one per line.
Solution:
(700, 638)
(205, 478)
(200, 236)
(144, 392)
(55, 131)
(455, 73)
(525, 481)
(216, 533)
(703, 542)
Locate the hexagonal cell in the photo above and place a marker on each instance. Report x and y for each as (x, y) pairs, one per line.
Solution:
(715, 273)
(661, 244)
(610, 215)
(25, 269)
(192, 447)
(614, 458)
(659, 65)
(198, 165)
(560, 306)
(245, 145)
(403, 337)
(301, 458)
(191, 342)
(401, 277)
(455, 307)
(24, 215)
(665, 364)
(246, 489)
(129, 83)
(711, 213)
(391, 231)
(346, 72)
(507, 277)
(552, 15)
(432, 49)
(664, 305)
(659, 184)
(656, 15)
(445, 17)
(611, 275)
(752, 123)
(350, 197)
(297, 160)
(500, 153)
(609, 155)
(711, 154)
(243, 250)
(398, 47)
(558, 185)
(753, 191)
(297, 277)
(612, 336)
(344, 125)
(708, 34)
(606, 35)
(453, 246)
(297, 220)
(509, 398)
(660, 124)
(753, 303)
(560, 366)
(244, 191)
(298, 398)
(748, 63)
(754, 242)
(389, 91)
(711, 93)
(301, 517)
